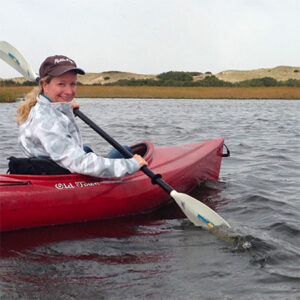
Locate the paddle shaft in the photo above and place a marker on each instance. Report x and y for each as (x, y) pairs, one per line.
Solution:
(156, 178)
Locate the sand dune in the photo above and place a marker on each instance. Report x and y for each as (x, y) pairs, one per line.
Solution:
(279, 73)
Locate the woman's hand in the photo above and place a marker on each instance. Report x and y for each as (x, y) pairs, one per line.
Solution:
(75, 105)
(140, 160)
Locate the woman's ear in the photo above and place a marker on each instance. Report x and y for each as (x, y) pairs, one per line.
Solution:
(44, 86)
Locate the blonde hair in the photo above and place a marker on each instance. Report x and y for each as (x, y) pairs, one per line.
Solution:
(24, 109)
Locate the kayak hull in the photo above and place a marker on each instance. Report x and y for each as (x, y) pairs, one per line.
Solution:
(28, 201)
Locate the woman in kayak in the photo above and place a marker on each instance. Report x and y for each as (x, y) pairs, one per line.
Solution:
(47, 126)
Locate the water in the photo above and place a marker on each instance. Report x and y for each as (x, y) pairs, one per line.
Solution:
(161, 255)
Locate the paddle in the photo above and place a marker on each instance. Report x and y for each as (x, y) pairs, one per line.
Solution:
(197, 212)
(16, 60)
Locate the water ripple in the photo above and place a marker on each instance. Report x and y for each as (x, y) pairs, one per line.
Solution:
(162, 255)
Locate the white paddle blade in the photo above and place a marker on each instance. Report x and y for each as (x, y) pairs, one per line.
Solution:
(16, 60)
(197, 212)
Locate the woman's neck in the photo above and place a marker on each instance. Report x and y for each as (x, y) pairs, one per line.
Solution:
(47, 98)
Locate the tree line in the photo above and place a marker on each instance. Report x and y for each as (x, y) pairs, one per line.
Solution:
(184, 79)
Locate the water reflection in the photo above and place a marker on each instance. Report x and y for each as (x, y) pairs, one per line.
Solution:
(124, 227)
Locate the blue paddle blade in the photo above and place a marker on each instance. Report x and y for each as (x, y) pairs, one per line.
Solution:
(16, 60)
(197, 212)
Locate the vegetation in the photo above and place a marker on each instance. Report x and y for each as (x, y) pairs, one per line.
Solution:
(6, 96)
(13, 93)
(11, 82)
(198, 92)
(165, 92)
(8, 82)
(173, 85)
(181, 79)
(185, 79)
(175, 76)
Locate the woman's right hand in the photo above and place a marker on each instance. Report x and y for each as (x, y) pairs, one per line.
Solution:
(140, 160)
(75, 105)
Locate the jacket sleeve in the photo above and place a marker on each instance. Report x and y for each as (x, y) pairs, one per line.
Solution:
(66, 152)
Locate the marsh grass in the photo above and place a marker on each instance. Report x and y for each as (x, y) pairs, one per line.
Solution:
(7, 97)
(9, 94)
(189, 92)
(12, 94)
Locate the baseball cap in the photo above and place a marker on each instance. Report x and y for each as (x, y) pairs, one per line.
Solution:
(57, 65)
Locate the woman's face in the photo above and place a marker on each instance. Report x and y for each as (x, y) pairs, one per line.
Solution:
(61, 88)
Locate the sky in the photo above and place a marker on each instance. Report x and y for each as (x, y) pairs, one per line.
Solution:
(154, 36)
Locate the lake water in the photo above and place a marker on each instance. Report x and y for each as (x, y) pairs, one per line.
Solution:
(161, 255)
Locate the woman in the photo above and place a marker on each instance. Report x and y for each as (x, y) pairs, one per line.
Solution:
(48, 127)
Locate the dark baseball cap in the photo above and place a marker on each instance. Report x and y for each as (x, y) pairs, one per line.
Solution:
(57, 65)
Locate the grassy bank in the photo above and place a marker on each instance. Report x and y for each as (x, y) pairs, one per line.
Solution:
(11, 94)
(189, 92)
(170, 92)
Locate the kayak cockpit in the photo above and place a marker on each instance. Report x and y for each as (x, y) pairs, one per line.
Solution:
(45, 166)
(144, 149)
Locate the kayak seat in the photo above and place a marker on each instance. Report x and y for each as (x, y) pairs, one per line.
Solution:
(34, 166)
(46, 166)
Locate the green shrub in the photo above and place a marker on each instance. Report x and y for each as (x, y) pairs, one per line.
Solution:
(291, 82)
(29, 83)
(7, 82)
(259, 82)
(212, 81)
(10, 82)
(175, 76)
(135, 82)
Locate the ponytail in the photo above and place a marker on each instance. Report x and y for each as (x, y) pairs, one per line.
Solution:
(24, 109)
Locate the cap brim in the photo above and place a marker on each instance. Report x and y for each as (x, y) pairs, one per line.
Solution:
(64, 69)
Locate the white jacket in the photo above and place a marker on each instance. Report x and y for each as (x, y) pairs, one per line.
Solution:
(51, 131)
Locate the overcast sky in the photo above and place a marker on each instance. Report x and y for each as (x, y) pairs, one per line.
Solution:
(154, 36)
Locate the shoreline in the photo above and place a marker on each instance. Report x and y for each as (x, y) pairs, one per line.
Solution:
(154, 92)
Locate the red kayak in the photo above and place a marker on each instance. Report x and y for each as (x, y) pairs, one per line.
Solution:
(28, 201)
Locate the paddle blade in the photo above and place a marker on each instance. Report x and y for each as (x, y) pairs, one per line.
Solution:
(16, 60)
(197, 212)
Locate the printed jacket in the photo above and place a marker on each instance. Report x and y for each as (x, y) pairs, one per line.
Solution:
(51, 131)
